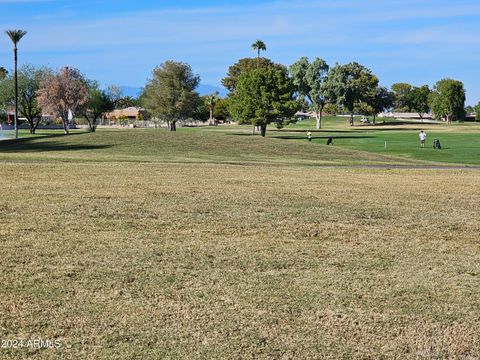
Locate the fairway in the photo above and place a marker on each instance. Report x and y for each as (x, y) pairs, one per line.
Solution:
(460, 141)
(213, 244)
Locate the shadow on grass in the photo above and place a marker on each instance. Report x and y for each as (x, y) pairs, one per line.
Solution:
(406, 122)
(303, 131)
(32, 144)
(242, 134)
(303, 136)
(374, 128)
(293, 137)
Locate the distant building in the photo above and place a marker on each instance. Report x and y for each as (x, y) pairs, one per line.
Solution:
(471, 117)
(304, 115)
(404, 115)
(130, 113)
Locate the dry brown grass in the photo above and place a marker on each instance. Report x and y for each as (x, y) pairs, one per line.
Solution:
(222, 261)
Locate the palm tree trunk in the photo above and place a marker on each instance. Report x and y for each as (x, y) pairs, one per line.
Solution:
(16, 91)
(210, 120)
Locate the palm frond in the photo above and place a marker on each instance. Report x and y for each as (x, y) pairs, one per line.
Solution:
(259, 45)
(15, 35)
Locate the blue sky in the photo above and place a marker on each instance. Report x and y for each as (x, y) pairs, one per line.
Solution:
(120, 42)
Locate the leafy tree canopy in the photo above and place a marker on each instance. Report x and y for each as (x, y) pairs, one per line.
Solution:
(201, 112)
(99, 102)
(170, 94)
(477, 110)
(350, 85)
(309, 80)
(447, 100)
(221, 111)
(29, 79)
(402, 97)
(263, 96)
(124, 102)
(419, 100)
(245, 65)
(381, 100)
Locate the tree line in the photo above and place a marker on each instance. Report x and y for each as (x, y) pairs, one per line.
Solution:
(61, 93)
(260, 92)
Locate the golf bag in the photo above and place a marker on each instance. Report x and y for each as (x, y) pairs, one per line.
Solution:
(436, 144)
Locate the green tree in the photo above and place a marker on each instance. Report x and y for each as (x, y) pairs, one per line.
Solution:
(221, 111)
(211, 101)
(99, 102)
(7, 96)
(242, 66)
(201, 112)
(263, 96)
(477, 111)
(447, 100)
(309, 80)
(170, 94)
(402, 97)
(331, 109)
(365, 109)
(349, 86)
(124, 102)
(15, 36)
(258, 46)
(29, 79)
(382, 100)
(419, 100)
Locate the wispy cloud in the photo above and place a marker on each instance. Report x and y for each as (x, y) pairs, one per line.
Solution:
(385, 35)
(21, 1)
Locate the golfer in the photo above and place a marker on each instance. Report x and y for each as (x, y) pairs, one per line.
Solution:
(423, 136)
(309, 135)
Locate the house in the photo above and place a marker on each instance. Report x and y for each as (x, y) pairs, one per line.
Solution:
(130, 113)
(471, 116)
(405, 115)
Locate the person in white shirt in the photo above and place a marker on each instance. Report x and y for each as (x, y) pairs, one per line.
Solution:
(309, 135)
(423, 137)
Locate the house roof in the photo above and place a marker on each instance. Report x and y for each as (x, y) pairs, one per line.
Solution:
(128, 112)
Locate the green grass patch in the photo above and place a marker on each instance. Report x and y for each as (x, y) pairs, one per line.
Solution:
(460, 142)
(232, 145)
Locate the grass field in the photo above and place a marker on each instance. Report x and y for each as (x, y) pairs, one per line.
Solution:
(142, 244)
(460, 141)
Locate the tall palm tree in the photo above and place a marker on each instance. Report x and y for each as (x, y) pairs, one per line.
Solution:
(258, 46)
(211, 101)
(15, 36)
